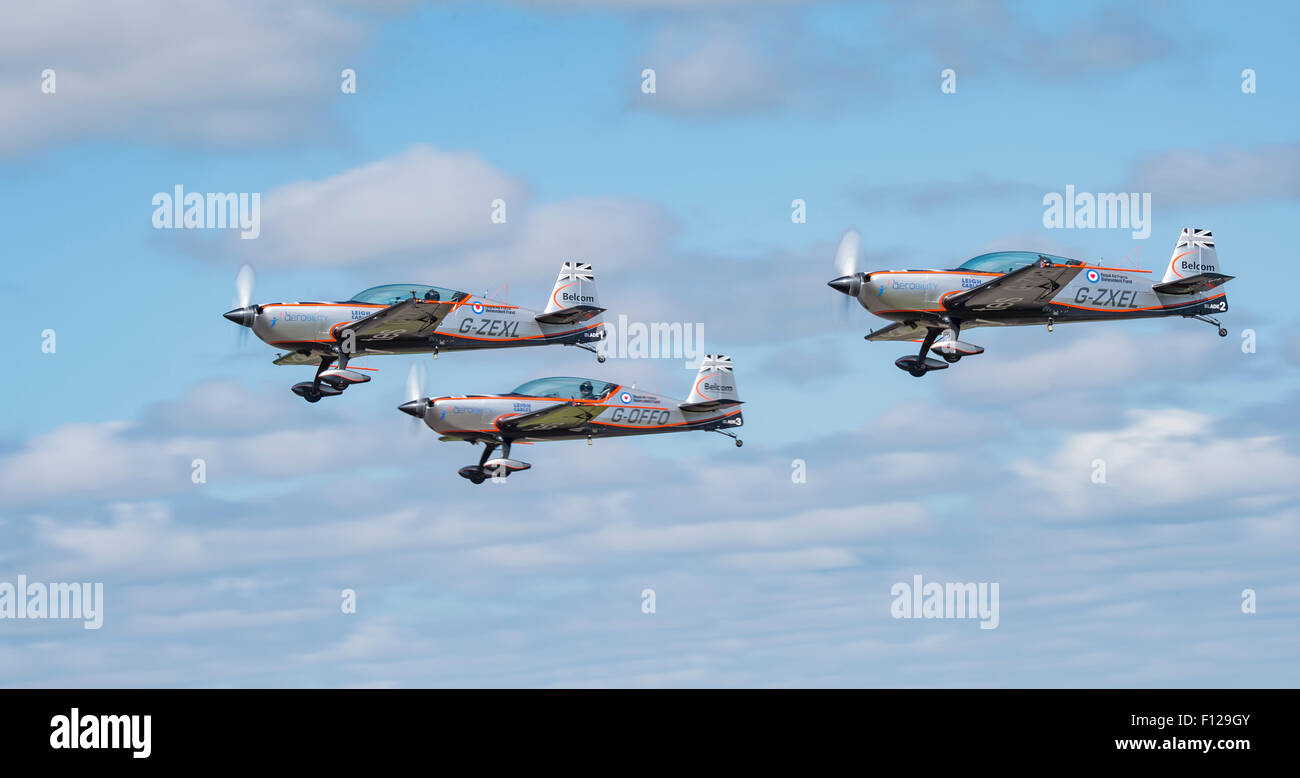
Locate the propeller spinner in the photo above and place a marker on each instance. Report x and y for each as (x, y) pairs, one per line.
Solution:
(246, 312)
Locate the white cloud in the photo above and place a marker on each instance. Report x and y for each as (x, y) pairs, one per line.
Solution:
(130, 459)
(720, 72)
(187, 71)
(420, 200)
(1221, 177)
(1163, 458)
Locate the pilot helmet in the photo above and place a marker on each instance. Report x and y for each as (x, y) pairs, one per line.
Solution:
(586, 387)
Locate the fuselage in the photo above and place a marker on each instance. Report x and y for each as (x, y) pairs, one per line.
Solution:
(623, 411)
(1095, 294)
(473, 323)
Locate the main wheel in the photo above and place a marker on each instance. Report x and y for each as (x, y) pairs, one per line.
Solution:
(916, 371)
(477, 479)
(952, 358)
(314, 397)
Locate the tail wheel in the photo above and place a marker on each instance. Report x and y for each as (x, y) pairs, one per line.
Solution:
(1223, 332)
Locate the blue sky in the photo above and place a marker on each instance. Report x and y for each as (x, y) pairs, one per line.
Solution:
(681, 201)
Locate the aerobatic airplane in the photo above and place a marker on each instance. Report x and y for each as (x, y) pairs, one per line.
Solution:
(415, 319)
(934, 307)
(564, 408)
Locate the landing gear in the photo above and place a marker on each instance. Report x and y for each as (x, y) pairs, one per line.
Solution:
(599, 356)
(486, 468)
(313, 390)
(919, 364)
(1223, 331)
(476, 473)
(330, 381)
(731, 435)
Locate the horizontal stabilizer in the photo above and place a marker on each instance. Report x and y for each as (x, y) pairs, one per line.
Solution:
(709, 406)
(1192, 284)
(569, 315)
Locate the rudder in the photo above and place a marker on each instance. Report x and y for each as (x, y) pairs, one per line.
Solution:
(1193, 254)
(715, 383)
(575, 286)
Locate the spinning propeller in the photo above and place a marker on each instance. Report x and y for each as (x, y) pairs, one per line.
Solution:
(849, 280)
(245, 312)
(416, 401)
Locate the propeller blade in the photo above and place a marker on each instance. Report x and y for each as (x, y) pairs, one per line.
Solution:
(244, 286)
(846, 263)
(846, 254)
(415, 382)
(415, 396)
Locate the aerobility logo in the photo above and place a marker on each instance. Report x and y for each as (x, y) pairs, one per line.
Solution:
(933, 600)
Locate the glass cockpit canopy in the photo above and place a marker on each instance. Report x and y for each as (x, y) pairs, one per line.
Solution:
(565, 387)
(390, 294)
(1006, 261)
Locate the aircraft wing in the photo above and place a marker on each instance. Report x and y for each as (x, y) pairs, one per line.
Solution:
(1201, 282)
(1027, 289)
(899, 331)
(557, 417)
(294, 358)
(411, 318)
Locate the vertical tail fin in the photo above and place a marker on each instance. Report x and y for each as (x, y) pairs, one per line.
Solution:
(575, 286)
(1194, 254)
(715, 383)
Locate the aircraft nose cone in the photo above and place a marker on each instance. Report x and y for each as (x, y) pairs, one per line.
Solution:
(847, 284)
(413, 407)
(241, 316)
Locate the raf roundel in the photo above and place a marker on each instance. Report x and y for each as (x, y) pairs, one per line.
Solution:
(625, 397)
(1093, 276)
(477, 308)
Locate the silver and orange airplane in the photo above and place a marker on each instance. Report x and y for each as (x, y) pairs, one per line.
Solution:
(568, 408)
(414, 319)
(1018, 288)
